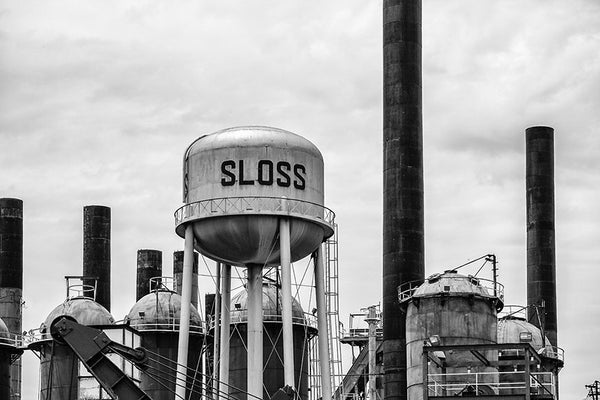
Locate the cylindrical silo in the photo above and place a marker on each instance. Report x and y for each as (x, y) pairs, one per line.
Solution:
(96, 250)
(59, 366)
(458, 310)
(403, 204)
(156, 317)
(541, 259)
(273, 377)
(178, 275)
(149, 265)
(11, 277)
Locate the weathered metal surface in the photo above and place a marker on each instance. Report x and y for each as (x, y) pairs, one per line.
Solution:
(457, 310)
(403, 229)
(96, 250)
(149, 265)
(178, 275)
(236, 182)
(541, 259)
(272, 345)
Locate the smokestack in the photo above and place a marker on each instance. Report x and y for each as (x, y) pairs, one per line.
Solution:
(403, 226)
(11, 277)
(149, 265)
(541, 260)
(178, 275)
(96, 250)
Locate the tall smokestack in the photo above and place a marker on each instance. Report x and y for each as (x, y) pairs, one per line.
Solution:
(178, 275)
(403, 226)
(149, 265)
(96, 250)
(11, 278)
(541, 259)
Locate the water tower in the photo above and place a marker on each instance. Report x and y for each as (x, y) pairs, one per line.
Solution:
(254, 198)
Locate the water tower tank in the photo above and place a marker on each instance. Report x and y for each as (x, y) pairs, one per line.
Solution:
(238, 182)
(458, 309)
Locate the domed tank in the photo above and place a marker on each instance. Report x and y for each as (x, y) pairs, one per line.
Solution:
(59, 367)
(273, 375)
(459, 310)
(514, 328)
(156, 316)
(238, 182)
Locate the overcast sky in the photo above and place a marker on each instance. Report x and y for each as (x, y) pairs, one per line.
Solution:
(99, 100)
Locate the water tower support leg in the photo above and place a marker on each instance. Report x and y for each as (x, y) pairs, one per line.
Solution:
(225, 331)
(255, 331)
(184, 321)
(217, 333)
(286, 302)
(322, 323)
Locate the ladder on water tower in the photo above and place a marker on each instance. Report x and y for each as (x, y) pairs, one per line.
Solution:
(333, 305)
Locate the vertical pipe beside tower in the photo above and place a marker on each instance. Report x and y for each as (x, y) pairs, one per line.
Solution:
(403, 229)
(149, 265)
(96, 250)
(11, 277)
(541, 259)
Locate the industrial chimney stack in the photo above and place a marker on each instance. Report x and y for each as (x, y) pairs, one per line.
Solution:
(541, 259)
(11, 277)
(96, 250)
(178, 275)
(149, 265)
(403, 229)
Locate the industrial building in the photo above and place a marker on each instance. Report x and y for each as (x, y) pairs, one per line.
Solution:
(253, 203)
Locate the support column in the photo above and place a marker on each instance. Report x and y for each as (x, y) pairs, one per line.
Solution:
(216, 333)
(225, 331)
(286, 302)
(184, 320)
(323, 335)
(372, 319)
(255, 331)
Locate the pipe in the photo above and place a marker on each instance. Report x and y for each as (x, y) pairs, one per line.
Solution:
(96, 250)
(225, 331)
(403, 215)
(541, 258)
(286, 302)
(217, 332)
(184, 319)
(255, 332)
(322, 317)
(178, 257)
(11, 277)
(149, 265)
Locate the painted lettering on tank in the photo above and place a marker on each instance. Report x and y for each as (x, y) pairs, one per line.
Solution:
(267, 173)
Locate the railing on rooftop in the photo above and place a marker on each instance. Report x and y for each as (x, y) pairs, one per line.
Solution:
(407, 290)
(514, 382)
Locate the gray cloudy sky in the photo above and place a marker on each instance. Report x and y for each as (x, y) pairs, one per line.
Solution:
(99, 100)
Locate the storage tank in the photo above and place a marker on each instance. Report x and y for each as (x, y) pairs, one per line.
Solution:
(7, 349)
(156, 317)
(303, 330)
(239, 181)
(514, 328)
(60, 370)
(459, 310)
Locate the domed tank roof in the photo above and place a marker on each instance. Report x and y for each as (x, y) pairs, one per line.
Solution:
(161, 310)
(271, 306)
(451, 283)
(245, 136)
(3, 329)
(85, 311)
(510, 329)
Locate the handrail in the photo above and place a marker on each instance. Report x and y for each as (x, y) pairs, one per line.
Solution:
(241, 316)
(254, 205)
(407, 290)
